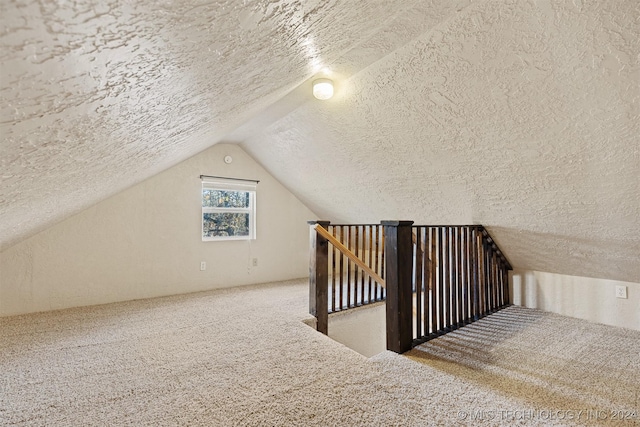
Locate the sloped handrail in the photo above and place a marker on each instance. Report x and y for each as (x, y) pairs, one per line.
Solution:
(346, 268)
(343, 249)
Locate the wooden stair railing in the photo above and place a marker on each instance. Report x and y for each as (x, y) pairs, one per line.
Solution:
(454, 276)
(345, 251)
(345, 268)
(434, 279)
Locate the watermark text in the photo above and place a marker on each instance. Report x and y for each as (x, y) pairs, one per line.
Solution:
(548, 415)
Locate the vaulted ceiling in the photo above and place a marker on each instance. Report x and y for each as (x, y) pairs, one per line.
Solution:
(520, 115)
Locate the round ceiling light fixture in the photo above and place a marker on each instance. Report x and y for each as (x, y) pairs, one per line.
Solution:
(322, 88)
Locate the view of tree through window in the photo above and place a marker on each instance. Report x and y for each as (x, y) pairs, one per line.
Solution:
(225, 199)
(226, 214)
(225, 224)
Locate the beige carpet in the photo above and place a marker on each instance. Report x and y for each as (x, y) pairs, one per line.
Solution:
(243, 357)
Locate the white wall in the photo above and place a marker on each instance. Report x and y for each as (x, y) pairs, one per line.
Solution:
(146, 242)
(361, 329)
(581, 297)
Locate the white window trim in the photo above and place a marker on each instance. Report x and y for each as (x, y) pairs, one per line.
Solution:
(230, 185)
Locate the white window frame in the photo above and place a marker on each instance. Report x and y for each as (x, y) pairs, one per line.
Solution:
(222, 184)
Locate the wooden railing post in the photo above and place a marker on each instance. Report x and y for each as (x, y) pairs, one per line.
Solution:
(398, 250)
(319, 277)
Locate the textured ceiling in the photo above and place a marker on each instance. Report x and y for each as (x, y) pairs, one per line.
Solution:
(99, 95)
(520, 115)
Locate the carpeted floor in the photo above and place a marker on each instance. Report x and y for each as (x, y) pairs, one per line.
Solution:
(243, 357)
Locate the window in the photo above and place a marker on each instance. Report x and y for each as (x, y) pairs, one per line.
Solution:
(228, 210)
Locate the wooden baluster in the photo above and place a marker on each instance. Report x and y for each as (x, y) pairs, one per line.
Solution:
(447, 278)
(334, 254)
(359, 275)
(348, 245)
(475, 269)
(354, 290)
(454, 277)
(342, 271)
(506, 286)
(376, 261)
(383, 291)
(440, 280)
(501, 277)
(382, 261)
(451, 302)
(357, 290)
(481, 264)
(483, 299)
(433, 286)
(500, 295)
(499, 273)
(499, 270)
(485, 294)
(487, 275)
(360, 254)
(487, 272)
(418, 281)
(354, 248)
(470, 272)
(492, 280)
(458, 279)
(480, 273)
(459, 264)
(468, 278)
(370, 281)
(425, 278)
(463, 274)
(318, 277)
(496, 285)
(489, 278)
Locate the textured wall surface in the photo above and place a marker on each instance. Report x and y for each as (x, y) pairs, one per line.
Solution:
(520, 115)
(146, 242)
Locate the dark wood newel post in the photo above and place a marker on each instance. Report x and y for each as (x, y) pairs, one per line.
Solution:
(319, 276)
(398, 249)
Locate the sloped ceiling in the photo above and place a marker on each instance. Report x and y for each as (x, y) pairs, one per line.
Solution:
(520, 115)
(99, 95)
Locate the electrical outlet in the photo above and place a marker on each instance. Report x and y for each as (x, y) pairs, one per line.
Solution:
(203, 266)
(255, 262)
(621, 292)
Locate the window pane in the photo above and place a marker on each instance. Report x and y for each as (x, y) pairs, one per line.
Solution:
(224, 199)
(225, 224)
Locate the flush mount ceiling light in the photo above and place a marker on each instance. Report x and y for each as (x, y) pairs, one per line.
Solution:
(322, 88)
